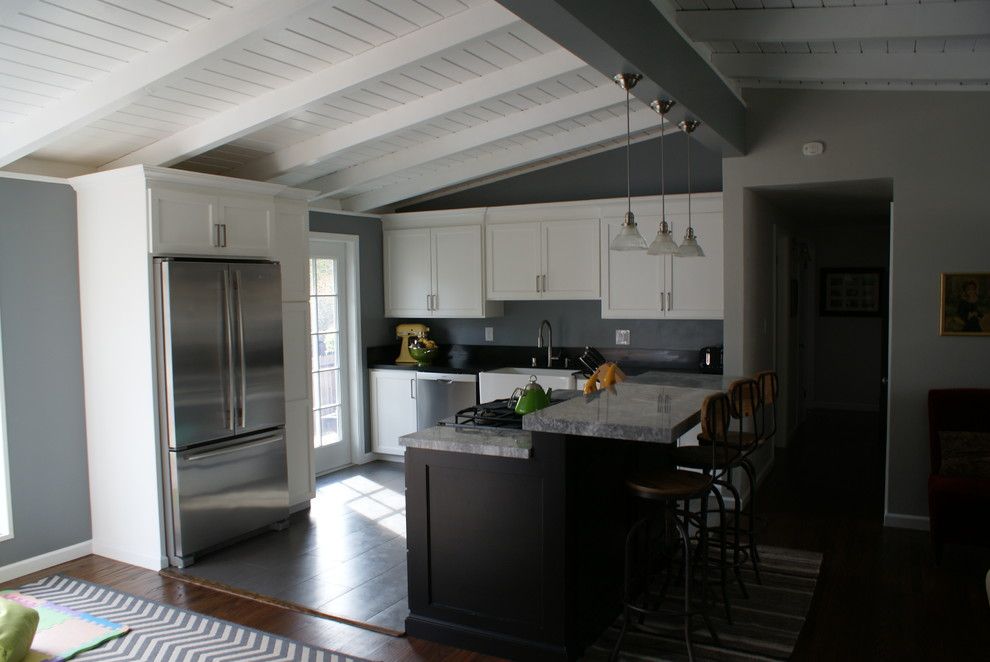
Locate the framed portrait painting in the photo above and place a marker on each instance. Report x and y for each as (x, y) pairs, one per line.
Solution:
(965, 305)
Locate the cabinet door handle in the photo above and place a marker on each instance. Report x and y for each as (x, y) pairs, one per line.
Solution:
(544, 282)
(216, 235)
(537, 282)
(412, 388)
(224, 232)
(429, 302)
(670, 300)
(663, 302)
(435, 302)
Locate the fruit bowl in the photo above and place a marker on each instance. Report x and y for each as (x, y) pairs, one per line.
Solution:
(423, 354)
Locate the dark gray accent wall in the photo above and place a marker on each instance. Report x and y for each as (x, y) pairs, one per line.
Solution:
(42, 362)
(601, 175)
(575, 324)
(375, 329)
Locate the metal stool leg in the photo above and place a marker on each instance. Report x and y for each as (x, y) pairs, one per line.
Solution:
(754, 556)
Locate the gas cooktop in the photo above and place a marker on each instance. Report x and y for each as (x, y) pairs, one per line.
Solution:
(497, 414)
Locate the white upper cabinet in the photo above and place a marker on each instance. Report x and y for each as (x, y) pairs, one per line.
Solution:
(435, 272)
(543, 260)
(408, 276)
(636, 285)
(197, 223)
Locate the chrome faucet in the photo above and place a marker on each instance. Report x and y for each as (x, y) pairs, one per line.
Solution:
(539, 342)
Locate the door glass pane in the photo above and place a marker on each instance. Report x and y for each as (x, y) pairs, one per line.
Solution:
(326, 314)
(325, 388)
(324, 276)
(326, 426)
(325, 351)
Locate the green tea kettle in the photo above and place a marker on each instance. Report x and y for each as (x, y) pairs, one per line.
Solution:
(531, 397)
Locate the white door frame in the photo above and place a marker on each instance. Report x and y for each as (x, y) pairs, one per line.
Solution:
(355, 382)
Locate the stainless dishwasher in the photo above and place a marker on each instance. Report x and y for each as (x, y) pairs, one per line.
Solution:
(440, 395)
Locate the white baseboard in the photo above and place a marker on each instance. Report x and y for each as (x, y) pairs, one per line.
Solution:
(46, 560)
(898, 521)
(155, 563)
(847, 406)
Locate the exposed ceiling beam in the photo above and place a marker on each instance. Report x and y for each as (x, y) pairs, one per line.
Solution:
(634, 36)
(914, 21)
(561, 143)
(472, 92)
(278, 104)
(133, 80)
(839, 66)
(461, 141)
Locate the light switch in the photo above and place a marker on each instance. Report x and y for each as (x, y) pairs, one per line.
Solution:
(489, 333)
(622, 336)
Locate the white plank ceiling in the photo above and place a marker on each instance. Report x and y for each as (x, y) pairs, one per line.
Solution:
(378, 102)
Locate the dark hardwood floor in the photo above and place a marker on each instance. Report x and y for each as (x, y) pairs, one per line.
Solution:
(880, 596)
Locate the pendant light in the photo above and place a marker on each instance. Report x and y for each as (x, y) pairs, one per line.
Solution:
(690, 246)
(663, 243)
(629, 238)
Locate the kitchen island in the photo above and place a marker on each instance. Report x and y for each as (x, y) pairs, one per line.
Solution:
(515, 538)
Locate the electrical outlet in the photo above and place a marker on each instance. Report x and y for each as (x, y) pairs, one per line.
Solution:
(622, 336)
(489, 333)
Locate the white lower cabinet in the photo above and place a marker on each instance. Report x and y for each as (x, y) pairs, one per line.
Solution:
(393, 409)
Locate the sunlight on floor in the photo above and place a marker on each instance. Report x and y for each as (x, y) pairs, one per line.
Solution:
(367, 498)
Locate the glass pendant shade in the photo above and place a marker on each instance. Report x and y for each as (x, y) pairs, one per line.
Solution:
(629, 238)
(690, 246)
(663, 243)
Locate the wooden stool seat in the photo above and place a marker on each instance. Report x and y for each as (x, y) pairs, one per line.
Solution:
(700, 457)
(669, 484)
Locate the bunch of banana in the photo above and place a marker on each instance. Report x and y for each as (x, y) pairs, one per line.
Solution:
(606, 376)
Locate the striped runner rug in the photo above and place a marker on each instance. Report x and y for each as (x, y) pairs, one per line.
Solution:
(764, 626)
(168, 634)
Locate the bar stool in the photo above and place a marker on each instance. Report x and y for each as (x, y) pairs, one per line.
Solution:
(725, 458)
(669, 487)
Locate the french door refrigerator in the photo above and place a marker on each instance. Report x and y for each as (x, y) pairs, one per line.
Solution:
(221, 402)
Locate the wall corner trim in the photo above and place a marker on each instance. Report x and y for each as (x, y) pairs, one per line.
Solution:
(901, 521)
(46, 560)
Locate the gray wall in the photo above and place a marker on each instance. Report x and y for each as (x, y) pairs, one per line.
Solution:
(375, 329)
(601, 175)
(575, 324)
(42, 362)
(939, 224)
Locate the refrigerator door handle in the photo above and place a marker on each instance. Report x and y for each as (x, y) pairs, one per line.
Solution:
(228, 323)
(233, 449)
(242, 409)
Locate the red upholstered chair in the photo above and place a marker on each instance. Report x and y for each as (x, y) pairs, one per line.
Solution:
(959, 484)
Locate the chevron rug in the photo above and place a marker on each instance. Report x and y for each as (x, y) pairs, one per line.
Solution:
(168, 634)
(765, 626)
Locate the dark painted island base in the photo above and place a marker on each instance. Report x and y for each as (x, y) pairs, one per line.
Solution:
(520, 558)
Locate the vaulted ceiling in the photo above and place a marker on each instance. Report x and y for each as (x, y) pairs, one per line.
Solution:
(377, 102)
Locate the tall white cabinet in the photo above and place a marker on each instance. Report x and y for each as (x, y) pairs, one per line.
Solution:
(126, 217)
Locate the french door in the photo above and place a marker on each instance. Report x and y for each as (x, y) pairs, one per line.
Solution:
(328, 326)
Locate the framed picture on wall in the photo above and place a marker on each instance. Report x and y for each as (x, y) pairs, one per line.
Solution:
(965, 305)
(852, 292)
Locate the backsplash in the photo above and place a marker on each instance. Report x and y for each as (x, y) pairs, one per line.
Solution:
(575, 324)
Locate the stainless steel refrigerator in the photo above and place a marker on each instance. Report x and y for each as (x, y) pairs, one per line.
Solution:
(221, 401)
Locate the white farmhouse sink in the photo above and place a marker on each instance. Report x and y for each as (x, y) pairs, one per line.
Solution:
(497, 384)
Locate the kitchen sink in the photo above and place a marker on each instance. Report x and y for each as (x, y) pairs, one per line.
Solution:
(496, 384)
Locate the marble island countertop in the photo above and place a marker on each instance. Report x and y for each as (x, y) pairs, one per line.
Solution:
(497, 442)
(634, 411)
